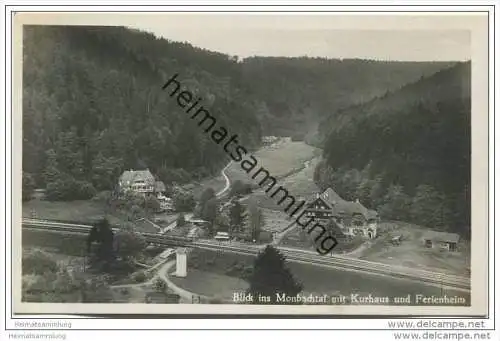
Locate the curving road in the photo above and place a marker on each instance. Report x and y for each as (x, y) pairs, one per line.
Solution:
(226, 178)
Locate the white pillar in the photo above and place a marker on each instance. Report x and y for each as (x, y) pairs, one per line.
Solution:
(181, 263)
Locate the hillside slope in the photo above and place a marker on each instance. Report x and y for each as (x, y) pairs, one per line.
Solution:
(407, 152)
(299, 92)
(93, 106)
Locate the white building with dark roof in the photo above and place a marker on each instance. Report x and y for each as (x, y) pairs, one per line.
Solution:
(138, 181)
(143, 182)
(351, 216)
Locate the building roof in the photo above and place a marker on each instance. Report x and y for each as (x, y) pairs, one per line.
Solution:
(160, 186)
(146, 225)
(131, 176)
(441, 236)
(344, 207)
(330, 196)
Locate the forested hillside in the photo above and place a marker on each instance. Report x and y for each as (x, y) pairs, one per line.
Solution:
(297, 92)
(93, 106)
(407, 152)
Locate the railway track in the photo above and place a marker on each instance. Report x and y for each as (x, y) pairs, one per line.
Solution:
(292, 255)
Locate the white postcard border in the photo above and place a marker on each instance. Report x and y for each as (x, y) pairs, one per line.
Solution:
(232, 309)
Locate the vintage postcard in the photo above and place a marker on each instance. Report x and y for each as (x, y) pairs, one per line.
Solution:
(264, 163)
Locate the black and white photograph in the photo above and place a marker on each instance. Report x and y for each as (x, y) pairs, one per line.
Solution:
(253, 164)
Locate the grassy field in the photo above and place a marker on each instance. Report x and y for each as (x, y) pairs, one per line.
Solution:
(210, 284)
(217, 183)
(87, 212)
(67, 244)
(298, 238)
(275, 221)
(78, 210)
(412, 253)
(280, 160)
(315, 279)
(300, 184)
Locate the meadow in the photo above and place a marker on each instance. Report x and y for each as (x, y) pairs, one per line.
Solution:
(281, 159)
(412, 253)
(315, 279)
(69, 211)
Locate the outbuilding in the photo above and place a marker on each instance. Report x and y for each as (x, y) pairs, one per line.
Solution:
(442, 240)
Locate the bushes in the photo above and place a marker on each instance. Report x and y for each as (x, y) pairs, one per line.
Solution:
(139, 277)
(181, 220)
(160, 285)
(239, 269)
(130, 244)
(85, 190)
(177, 175)
(104, 196)
(28, 186)
(240, 188)
(67, 188)
(151, 203)
(38, 263)
(184, 202)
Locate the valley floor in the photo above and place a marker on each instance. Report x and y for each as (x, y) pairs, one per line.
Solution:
(279, 160)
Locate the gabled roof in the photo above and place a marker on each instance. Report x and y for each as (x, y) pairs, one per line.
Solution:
(343, 207)
(330, 196)
(441, 236)
(146, 225)
(138, 175)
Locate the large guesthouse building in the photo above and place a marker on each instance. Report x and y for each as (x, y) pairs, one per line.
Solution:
(143, 182)
(351, 216)
(138, 181)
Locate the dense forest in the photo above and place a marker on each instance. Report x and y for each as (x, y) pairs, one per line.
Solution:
(93, 106)
(299, 92)
(406, 153)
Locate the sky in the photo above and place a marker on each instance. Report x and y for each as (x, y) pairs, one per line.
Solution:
(404, 38)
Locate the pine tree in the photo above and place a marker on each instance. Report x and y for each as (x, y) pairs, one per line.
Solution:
(221, 222)
(28, 186)
(364, 190)
(271, 277)
(209, 213)
(377, 191)
(105, 171)
(103, 235)
(429, 208)
(181, 220)
(255, 221)
(207, 194)
(396, 204)
(51, 172)
(236, 217)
